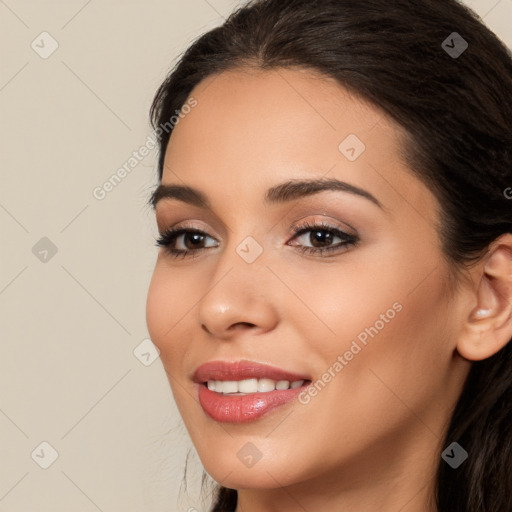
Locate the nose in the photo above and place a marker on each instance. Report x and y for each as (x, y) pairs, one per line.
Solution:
(240, 297)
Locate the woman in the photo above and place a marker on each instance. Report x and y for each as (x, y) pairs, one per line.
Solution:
(332, 299)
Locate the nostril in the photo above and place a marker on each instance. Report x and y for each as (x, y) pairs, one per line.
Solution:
(243, 324)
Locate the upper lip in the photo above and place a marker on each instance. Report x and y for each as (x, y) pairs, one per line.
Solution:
(241, 370)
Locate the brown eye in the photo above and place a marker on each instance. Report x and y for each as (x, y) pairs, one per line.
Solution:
(194, 239)
(182, 241)
(322, 238)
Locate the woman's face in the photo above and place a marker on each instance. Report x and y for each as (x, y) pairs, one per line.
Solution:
(370, 323)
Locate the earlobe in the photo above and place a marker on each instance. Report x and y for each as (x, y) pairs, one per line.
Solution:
(487, 298)
(489, 324)
(481, 313)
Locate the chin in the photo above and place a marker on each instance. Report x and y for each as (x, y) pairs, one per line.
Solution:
(260, 476)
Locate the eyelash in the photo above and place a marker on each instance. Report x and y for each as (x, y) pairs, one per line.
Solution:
(167, 238)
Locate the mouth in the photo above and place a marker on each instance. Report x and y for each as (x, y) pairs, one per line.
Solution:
(251, 386)
(244, 391)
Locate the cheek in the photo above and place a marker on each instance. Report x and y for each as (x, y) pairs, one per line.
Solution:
(390, 325)
(163, 310)
(154, 308)
(397, 293)
(338, 303)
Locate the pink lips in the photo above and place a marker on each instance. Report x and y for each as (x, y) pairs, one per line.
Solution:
(240, 370)
(243, 408)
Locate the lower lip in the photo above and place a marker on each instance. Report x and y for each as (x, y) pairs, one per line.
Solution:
(243, 408)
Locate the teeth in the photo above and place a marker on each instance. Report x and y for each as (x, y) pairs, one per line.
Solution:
(229, 387)
(266, 385)
(247, 386)
(283, 384)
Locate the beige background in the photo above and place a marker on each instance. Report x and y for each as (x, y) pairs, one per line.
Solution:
(70, 321)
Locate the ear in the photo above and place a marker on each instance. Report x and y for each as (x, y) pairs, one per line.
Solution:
(488, 327)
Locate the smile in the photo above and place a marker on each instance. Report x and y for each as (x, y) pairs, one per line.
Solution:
(243, 391)
(248, 386)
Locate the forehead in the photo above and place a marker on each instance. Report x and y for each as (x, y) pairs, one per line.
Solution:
(253, 128)
(276, 111)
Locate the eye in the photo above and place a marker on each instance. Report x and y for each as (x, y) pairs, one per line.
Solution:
(183, 241)
(322, 236)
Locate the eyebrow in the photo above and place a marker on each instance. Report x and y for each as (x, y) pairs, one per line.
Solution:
(284, 192)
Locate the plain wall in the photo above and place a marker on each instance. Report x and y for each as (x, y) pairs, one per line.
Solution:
(75, 266)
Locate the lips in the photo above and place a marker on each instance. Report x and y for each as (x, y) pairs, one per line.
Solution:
(233, 408)
(241, 370)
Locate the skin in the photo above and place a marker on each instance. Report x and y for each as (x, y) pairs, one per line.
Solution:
(371, 439)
